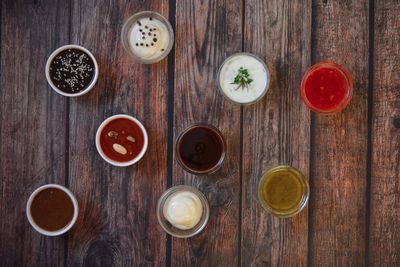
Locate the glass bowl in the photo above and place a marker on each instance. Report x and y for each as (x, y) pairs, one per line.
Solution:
(127, 27)
(187, 168)
(304, 199)
(343, 72)
(265, 90)
(173, 230)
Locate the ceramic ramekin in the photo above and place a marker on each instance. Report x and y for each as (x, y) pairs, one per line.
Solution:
(127, 163)
(68, 226)
(56, 52)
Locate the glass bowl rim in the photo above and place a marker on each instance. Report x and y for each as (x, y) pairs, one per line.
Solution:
(302, 204)
(219, 163)
(129, 22)
(203, 221)
(266, 89)
(349, 94)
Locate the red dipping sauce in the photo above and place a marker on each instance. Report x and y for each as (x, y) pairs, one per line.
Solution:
(326, 88)
(122, 139)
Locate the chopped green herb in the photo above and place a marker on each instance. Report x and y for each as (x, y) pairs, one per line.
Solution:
(242, 79)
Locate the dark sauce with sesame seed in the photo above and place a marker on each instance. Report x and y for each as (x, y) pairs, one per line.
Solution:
(126, 133)
(72, 70)
(52, 209)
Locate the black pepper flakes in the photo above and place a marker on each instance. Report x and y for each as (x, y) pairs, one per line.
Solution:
(155, 40)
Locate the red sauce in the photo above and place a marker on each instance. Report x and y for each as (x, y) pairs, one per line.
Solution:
(121, 131)
(326, 88)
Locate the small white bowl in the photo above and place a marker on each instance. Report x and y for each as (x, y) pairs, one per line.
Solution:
(38, 228)
(56, 52)
(117, 163)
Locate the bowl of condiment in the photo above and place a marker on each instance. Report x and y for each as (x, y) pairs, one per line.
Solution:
(121, 140)
(200, 149)
(72, 70)
(147, 37)
(52, 209)
(183, 211)
(326, 88)
(243, 78)
(283, 191)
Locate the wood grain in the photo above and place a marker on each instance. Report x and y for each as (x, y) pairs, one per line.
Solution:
(32, 144)
(338, 192)
(206, 33)
(276, 130)
(384, 244)
(117, 224)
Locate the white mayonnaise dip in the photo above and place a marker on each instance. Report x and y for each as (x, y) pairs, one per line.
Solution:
(258, 72)
(183, 210)
(149, 38)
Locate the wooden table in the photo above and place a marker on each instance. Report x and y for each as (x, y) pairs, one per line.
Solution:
(352, 158)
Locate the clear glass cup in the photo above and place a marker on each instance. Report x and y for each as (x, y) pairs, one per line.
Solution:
(173, 230)
(304, 186)
(346, 76)
(266, 73)
(127, 28)
(192, 170)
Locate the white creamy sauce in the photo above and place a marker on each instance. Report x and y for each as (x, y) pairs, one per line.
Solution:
(257, 72)
(183, 210)
(149, 38)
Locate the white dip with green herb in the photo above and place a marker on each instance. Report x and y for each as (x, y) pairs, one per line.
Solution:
(243, 78)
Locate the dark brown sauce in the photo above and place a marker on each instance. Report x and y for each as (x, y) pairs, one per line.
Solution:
(52, 209)
(200, 148)
(118, 131)
(72, 70)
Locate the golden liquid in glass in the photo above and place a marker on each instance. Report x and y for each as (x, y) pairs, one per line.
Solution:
(283, 191)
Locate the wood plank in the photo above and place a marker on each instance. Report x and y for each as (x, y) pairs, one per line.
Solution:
(338, 192)
(384, 243)
(32, 126)
(276, 130)
(206, 33)
(117, 223)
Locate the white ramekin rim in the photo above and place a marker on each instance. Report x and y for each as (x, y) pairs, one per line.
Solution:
(56, 52)
(38, 228)
(113, 162)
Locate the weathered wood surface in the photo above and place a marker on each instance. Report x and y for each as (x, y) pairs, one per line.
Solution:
(32, 126)
(384, 232)
(117, 225)
(339, 148)
(206, 33)
(276, 130)
(351, 158)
